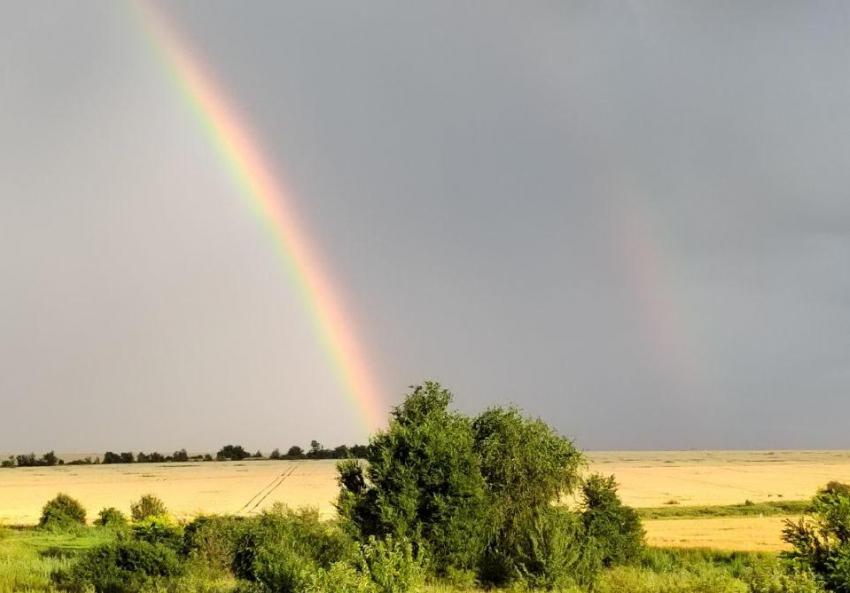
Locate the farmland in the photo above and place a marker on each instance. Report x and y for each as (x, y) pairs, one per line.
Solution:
(669, 481)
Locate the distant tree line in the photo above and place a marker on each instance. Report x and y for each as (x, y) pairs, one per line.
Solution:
(226, 453)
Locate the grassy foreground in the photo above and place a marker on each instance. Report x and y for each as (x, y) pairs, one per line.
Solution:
(748, 509)
(28, 557)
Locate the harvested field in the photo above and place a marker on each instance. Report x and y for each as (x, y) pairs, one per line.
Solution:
(648, 479)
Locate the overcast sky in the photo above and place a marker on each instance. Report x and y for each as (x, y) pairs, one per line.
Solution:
(629, 218)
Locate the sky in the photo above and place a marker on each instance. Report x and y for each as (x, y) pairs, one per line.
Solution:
(628, 218)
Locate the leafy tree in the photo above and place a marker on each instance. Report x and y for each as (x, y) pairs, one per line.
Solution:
(125, 457)
(422, 482)
(527, 467)
(295, 452)
(275, 454)
(820, 540)
(232, 453)
(180, 456)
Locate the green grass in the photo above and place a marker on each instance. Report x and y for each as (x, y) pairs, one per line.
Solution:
(760, 509)
(29, 556)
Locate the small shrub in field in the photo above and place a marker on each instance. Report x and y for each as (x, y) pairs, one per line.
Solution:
(63, 512)
(124, 566)
(773, 577)
(159, 530)
(147, 506)
(392, 566)
(111, 518)
(339, 578)
(212, 539)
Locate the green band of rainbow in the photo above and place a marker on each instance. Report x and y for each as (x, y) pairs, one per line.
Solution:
(271, 201)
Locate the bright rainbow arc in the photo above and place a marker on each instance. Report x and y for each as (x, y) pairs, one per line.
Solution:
(270, 201)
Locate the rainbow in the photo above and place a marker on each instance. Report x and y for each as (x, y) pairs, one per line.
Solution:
(272, 203)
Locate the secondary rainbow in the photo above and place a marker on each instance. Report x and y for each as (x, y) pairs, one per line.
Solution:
(272, 202)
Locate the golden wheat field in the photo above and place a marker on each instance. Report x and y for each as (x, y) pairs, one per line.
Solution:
(647, 479)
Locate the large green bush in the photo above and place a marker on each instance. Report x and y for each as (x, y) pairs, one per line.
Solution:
(281, 547)
(62, 512)
(212, 539)
(124, 566)
(422, 483)
(391, 565)
(159, 530)
(147, 506)
(614, 528)
(821, 539)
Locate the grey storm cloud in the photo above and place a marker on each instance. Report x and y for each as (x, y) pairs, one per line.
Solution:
(631, 219)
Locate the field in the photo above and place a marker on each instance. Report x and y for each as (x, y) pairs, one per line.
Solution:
(666, 480)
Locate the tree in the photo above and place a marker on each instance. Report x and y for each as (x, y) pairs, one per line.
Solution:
(275, 454)
(180, 456)
(422, 482)
(527, 467)
(232, 453)
(62, 512)
(295, 452)
(820, 540)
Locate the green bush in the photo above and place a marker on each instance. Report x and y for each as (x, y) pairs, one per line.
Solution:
(111, 518)
(821, 539)
(392, 565)
(62, 512)
(773, 577)
(124, 566)
(279, 548)
(422, 482)
(339, 578)
(212, 539)
(615, 528)
(147, 506)
(159, 530)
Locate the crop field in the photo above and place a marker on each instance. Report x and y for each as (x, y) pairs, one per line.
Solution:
(668, 481)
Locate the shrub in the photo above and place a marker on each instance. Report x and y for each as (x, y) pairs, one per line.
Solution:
(339, 578)
(159, 530)
(422, 482)
(212, 539)
(147, 506)
(614, 527)
(773, 577)
(123, 566)
(628, 579)
(391, 565)
(279, 547)
(821, 539)
(63, 512)
(111, 518)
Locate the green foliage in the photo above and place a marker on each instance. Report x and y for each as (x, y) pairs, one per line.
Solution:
(526, 466)
(614, 528)
(159, 530)
(212, 539)
(278, 548)
(773, 577)
(147, 506)
(392, 565)
(111, 518)
(747, 509)
(821, 539)
(422, 482)
(124, 566)
(62, 512)
(232, 453)
(630, 579)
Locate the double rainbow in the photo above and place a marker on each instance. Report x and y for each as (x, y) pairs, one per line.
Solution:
(271, 201)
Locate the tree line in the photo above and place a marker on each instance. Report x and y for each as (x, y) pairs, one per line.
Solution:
(226, 453)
